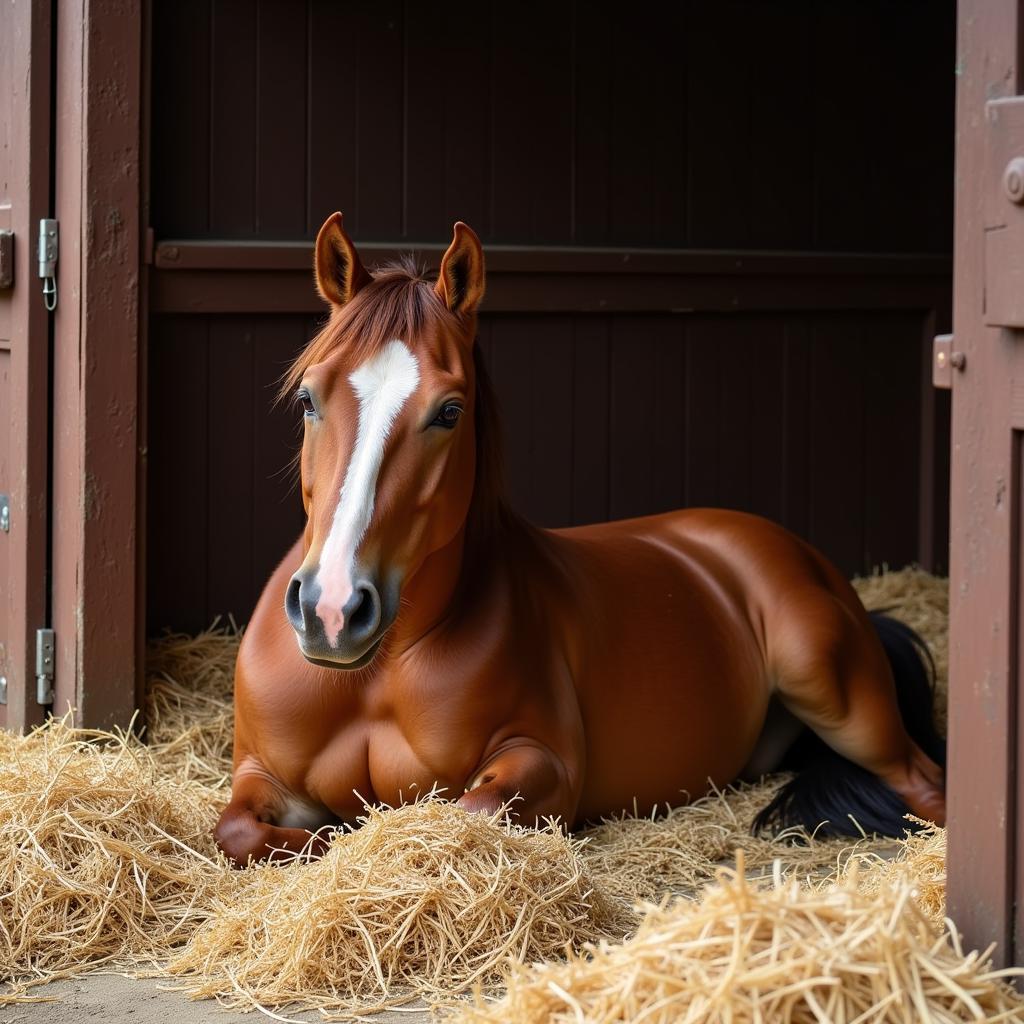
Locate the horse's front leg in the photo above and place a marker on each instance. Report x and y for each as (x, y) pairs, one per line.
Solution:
(528, 776)
(246, 830)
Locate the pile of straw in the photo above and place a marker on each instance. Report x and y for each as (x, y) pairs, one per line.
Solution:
(424, 899)
(189, 715)
(107, 860)
(637, 859)
(920, 863)
(765, 954)
(102, 858)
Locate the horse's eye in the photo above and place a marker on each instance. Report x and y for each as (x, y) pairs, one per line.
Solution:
(448, 416)
(306, 402)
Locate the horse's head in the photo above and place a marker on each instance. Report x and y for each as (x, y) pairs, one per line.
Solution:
(388, 456)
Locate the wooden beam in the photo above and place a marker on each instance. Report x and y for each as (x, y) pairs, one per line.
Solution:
(276, 277)
(95, 363)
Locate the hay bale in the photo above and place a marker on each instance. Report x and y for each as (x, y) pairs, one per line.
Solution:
(424, 898)
(777, 953)
(102, 858)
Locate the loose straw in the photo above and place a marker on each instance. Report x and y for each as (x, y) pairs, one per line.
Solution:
(107, 861)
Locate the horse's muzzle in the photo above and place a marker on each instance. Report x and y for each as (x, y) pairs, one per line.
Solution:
(353, 635)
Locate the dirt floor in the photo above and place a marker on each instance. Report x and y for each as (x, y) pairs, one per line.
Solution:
(113, 997)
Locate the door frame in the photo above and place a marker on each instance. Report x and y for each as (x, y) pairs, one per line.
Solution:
(25, 327)
(96, 448)
(985, 861)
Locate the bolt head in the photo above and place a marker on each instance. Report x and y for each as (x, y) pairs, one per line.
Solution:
(1013, 180)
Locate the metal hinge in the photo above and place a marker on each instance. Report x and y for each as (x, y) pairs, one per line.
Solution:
(49, 253)
(44, 666)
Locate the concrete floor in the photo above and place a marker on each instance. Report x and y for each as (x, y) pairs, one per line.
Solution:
(111, 997)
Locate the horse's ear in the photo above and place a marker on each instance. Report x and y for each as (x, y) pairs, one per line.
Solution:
(460, 283)
(339, 271)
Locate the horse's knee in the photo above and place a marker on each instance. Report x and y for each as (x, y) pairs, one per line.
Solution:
(241, 836)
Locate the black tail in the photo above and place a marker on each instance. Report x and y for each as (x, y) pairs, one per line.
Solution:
(831, 790)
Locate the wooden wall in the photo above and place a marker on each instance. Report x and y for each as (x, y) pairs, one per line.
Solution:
(740, 126)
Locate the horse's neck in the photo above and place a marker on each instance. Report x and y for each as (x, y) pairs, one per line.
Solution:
(458, 574)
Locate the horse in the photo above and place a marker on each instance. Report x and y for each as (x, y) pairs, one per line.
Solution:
(420, 635)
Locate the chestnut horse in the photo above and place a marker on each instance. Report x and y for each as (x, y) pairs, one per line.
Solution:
(420, 634)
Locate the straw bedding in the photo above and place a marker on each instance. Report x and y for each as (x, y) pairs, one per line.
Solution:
(749, 952)
(425, 898)
(106, 859)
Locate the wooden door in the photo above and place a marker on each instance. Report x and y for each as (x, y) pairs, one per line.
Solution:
(984, 364)
(25, 59)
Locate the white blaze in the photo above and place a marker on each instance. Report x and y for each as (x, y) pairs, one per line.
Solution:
(382, 384)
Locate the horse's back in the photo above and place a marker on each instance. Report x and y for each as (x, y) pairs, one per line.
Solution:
(675, 680)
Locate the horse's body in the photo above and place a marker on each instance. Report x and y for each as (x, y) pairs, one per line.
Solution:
(586, 671)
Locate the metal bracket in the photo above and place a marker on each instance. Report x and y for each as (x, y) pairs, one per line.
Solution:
(49, 253)
(5, 513)
(45, 658)
(6, 258)
(945, 360)
(3, 689)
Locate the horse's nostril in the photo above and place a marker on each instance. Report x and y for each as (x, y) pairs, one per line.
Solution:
(293, 604)
(362, 616)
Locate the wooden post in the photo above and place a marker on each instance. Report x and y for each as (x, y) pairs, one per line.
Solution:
(985, 863)
(96, 358)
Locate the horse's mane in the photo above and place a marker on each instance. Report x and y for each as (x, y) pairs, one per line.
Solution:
(401, 303)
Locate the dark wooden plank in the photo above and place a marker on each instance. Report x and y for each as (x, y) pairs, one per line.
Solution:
(703, 385)
(178, 498)
(632, 419)
(331, 146)
(766, 367)
(733, 419)
(590, 426)
(234, 138)
(378, 104)
(531, 137)
(779, 185)
(837, 402)
(892, 440)
(277, 513)
(593, 43)
(231, 398)
(648, 126)
(512, 373)
(425, 120)
(181, 119)
(910, 107)
(668, 391)
(281, 118)
(796, 430)
(550, 419)
(841, 36)
(446, 125)
(718, 125)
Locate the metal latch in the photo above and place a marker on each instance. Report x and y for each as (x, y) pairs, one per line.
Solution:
(3, 689)
(45, 657)
(5, 513)
(6, 258)
(49, 252)
(945, 361)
